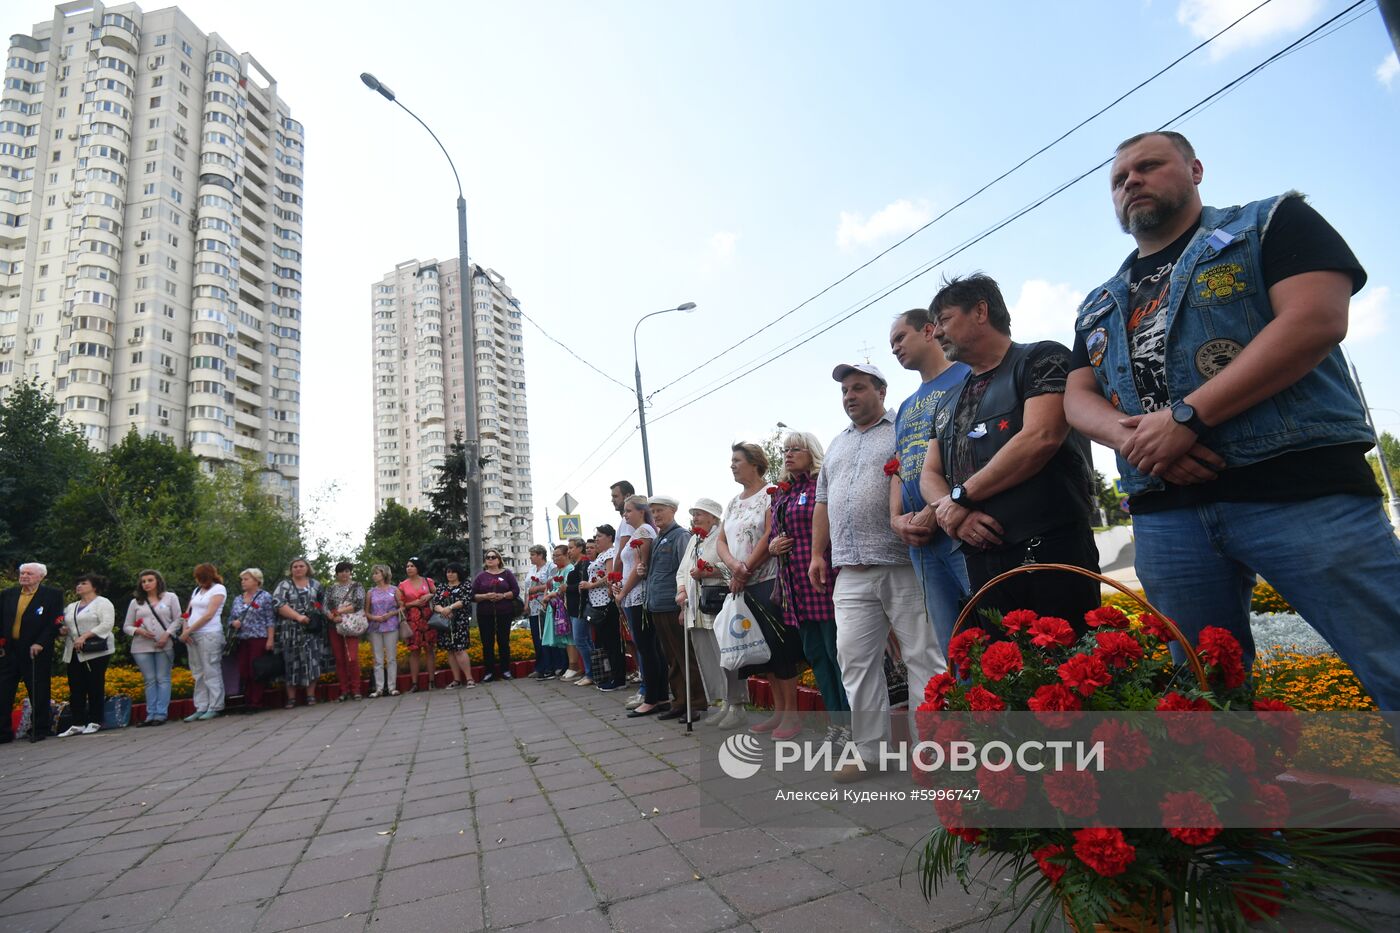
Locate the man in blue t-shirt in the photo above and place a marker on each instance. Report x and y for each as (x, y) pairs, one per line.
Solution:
(937, 561)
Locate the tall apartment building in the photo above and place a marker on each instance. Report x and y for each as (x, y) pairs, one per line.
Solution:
(150, 235)
(419, 404)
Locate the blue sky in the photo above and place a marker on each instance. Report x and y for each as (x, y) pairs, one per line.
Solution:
(623, 157)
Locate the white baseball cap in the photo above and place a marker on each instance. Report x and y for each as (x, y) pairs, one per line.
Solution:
(845, 369)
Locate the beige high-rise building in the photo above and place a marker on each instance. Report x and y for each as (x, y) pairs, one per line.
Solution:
(418, 399)
(150, 235)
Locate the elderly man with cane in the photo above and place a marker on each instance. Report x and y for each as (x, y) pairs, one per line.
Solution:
(30, 616)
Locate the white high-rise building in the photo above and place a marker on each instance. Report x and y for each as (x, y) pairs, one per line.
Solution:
(418, 399)
(150, 235)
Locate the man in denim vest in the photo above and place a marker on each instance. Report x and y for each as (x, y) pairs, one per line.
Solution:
(1210, 364)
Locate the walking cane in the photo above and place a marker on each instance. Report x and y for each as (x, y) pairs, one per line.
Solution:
(33, 704)
(685, 637)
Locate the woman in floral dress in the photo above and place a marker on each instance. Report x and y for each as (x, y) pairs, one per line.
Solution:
(303, 651)
(453, 600)
(417, 593)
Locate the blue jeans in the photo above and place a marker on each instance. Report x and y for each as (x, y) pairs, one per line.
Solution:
(548, 659)
(1335, 559)
(942, 573)
(583, 641)
(155, 670)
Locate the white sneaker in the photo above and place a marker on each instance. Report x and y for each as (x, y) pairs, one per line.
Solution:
(92, 727)
(571, 675)
(634, 701)
(71, 730)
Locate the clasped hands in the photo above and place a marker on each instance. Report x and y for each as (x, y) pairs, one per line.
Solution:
(1157, 445)
(971, 527)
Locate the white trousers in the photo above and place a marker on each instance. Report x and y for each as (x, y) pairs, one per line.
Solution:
(720, 684)
(870, 601)
(386, 659)
(207, 665)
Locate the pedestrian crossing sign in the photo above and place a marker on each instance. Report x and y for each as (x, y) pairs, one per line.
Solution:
(570, 526)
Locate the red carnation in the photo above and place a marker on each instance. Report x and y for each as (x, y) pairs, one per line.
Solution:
(1117, 649)
(1189, 817)
(1174, 702)
(937, 689)
(1104, 850)
(1005, 790)
(1017, 619)
(892, 466)
(1266, 705)
(1269, 809)
(1185, 730)
(1282, 717)
(980, 699)
(704, 566)
(1000, 659)
(950, 814)
(1109, 616)
(960, 646)
(1125, 748)
(1048, 631)
(1259, 894)
(1052, 702)
(701, 533)
(615, 577)
(1054, 870)
(772, 490)
(1221, 650)
(635, 542)
(1230, 750)
(1085, 673)
(785, 486)
(1156, 627)
(1073, 792)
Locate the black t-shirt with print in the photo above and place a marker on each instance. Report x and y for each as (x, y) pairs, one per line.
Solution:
(1046, 370)
(1298, 240)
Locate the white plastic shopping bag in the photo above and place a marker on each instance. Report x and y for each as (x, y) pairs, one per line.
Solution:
(741, 643)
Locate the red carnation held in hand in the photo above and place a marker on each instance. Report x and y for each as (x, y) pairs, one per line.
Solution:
(1104, 850)
(892, 466)
(635, 542)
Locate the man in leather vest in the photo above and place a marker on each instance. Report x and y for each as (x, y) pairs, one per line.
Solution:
(1210, 363)
(1007, 477)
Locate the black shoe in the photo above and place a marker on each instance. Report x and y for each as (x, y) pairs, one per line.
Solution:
(487, 678)
(37, 737)
(659, 708)
(695, 717)
(6, 738)
(507, 676)
(608, 686)
(153, 722)
(676, 712)
(143, 724)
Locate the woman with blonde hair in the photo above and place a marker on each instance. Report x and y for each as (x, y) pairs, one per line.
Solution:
(252, 620)
(202, 631)
(804, 605)
(383, 603)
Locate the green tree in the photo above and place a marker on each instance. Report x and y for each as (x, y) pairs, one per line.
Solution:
(1391, 447)
(1110, 501)
(40, 453)
(241, 524)
(773, 447)
(395, 535)
(450, 501)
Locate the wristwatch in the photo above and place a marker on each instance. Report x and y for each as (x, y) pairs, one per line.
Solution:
(1183, 414)
(959, 495)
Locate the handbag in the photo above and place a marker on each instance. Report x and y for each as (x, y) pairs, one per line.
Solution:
(741, 641)
(116, 712)
(353, 624)
(268, 667)
(439, 622)
(712, 599)
(896, 677)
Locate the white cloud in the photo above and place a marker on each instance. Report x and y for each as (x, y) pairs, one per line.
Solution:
(1207, 17)
(1388, 69)
(1045, 311)
(1369, 313)
(892, 220)
(722, 244)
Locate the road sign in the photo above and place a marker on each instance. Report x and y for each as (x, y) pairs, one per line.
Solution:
(567, 503)
(570, 526)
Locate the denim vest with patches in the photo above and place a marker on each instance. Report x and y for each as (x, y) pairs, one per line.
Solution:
(1217, 304)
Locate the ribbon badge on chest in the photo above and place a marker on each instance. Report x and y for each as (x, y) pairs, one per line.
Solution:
(978, 432)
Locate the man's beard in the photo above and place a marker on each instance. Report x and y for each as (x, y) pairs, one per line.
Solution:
(1159, 214)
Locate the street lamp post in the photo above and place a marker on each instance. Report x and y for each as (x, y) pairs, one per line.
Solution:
(472, 440)
(641, 402)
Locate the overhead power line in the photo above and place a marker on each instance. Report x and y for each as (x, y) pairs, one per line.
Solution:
(1306, 38)
(998, 179)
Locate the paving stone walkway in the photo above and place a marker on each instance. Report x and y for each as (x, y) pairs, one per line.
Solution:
(518, 805)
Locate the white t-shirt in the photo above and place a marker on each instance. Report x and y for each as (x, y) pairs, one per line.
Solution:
(199, 604)
(743, 528)
(629, 560)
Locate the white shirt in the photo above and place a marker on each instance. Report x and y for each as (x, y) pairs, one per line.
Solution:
(199, 605)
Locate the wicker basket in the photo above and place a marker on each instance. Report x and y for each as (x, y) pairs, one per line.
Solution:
(1191, 656)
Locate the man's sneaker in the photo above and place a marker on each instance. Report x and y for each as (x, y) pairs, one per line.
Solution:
(570, 675)
(633, 677)
(608, 686)
(547, 675)
(635, 701)
(832, 736)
